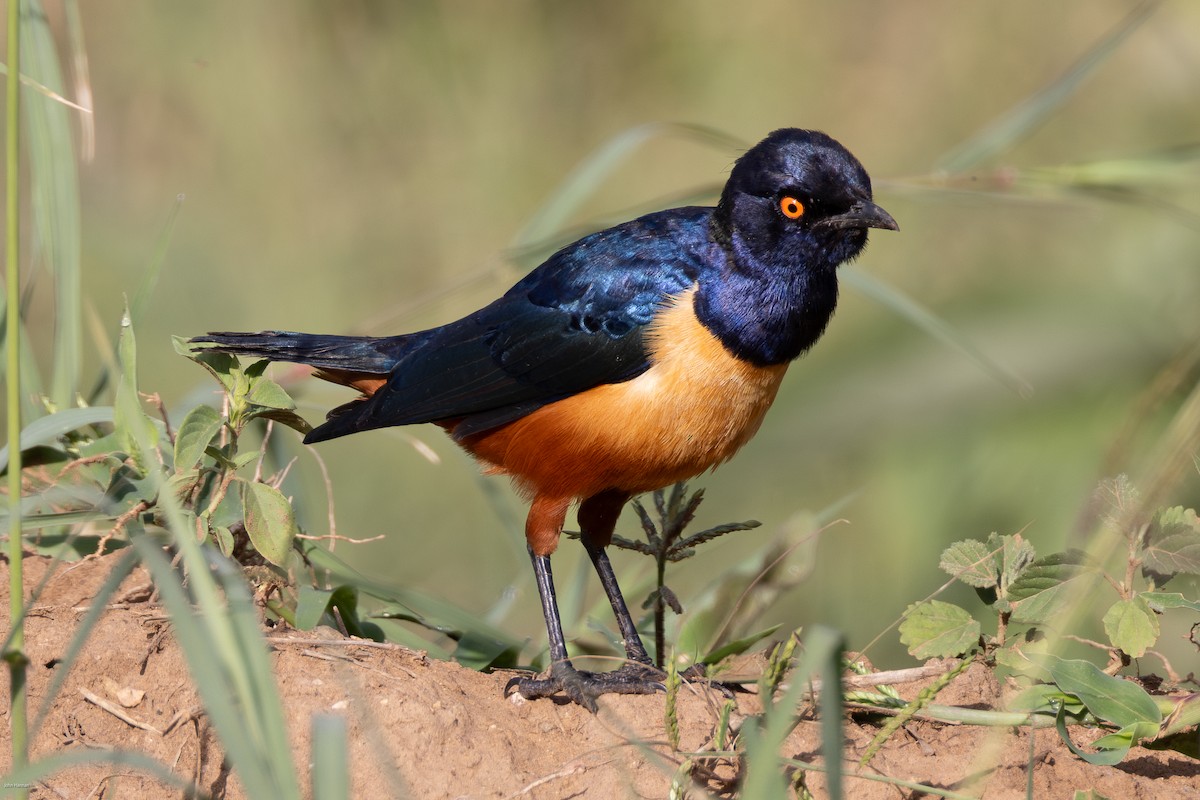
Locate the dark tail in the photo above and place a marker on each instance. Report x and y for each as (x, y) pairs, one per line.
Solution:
(352, 353)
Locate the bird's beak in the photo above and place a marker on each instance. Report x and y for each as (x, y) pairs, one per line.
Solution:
(863, 214)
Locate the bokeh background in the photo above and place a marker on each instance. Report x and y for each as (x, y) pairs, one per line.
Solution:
(366, 167)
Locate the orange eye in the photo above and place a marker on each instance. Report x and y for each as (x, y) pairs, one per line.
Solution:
(791, 208)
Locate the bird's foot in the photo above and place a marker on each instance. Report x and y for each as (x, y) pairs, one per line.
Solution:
(583, 687)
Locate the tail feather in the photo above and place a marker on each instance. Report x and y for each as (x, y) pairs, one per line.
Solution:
(361, 354)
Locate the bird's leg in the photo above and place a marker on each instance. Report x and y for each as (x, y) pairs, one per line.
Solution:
(597, 520)
(541, 530)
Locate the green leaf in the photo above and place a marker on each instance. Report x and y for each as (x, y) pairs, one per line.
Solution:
(1127, 736)
(195, 432)
(222, 366)
(972, 562)
(224, 539)
(284, 417)
(1102, 758)
(479, 651)
(1131, 625)
(1015, 557)
(311, 606)
(1048, 584)
(1163, 600)
(132, 425)
(1172, 544)
(270, 522)
(1114, 700)
(736, 648)
(936, 629)
(1090, 794)
(268, 394)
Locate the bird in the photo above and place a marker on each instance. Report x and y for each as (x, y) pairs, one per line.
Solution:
(636, 357)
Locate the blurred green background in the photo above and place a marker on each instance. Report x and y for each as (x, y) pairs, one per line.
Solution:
(364, 167)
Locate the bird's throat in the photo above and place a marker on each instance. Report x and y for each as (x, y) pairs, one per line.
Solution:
(768, 319)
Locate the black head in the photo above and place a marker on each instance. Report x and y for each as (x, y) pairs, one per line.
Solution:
(798, 197)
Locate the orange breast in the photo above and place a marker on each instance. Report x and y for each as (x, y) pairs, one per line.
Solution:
(693, 409)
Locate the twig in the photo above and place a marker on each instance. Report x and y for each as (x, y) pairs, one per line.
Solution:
(578, 769)
(156, 400)
(116, 712)
(139, 507)
(342, 643)
(333, 537)
(891, 677)
(328, 494)
(187, 715)
(262, 452)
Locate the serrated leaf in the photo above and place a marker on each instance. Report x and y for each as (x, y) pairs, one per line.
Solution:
(972, 562)
(1172, 544)
(270, 522)
(1119, 499)
(935, 629)
(1131, 625)
(1048, 584)
(1114, 700)
(1015, 557)
(1025, 658)
(1090, 794)
(195, 432)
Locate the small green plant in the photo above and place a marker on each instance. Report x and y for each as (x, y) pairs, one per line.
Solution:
(1032, 597)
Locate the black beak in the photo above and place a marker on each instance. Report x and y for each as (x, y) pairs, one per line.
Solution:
(863, 214)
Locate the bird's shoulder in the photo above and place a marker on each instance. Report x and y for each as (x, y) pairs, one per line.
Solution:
(614, 280)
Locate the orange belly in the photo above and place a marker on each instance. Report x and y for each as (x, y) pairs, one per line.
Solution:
(692, 409)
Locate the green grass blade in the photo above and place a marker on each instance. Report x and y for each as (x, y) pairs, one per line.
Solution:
(1002, 133)
(595, 169)
(145, 290)
(54, 190)
(904, 306)
(14, 647)
(47, 429)
(30, 383)
(32, 774)
(330, 759)
(764, 778)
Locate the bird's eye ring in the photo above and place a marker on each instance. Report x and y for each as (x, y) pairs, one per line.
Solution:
(791, 207)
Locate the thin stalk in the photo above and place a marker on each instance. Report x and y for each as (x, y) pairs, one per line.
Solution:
(15, 654)
(660, 609)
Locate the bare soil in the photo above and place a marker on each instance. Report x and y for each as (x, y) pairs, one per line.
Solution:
(427, 729)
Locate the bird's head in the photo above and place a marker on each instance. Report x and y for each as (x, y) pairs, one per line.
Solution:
(798, 197)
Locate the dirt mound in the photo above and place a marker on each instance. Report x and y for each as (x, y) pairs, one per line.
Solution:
(428, 729)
